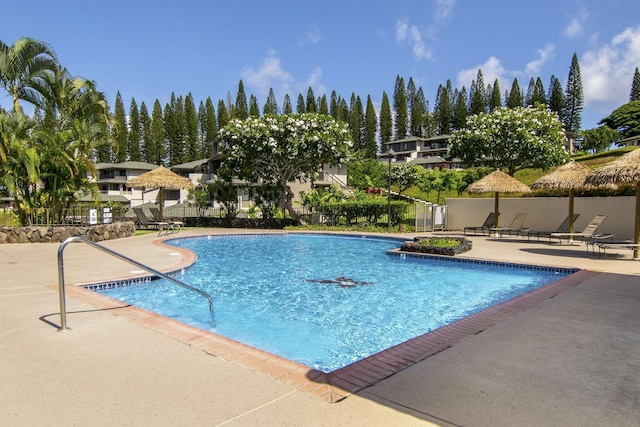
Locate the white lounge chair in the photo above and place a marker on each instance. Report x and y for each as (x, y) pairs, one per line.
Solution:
(589, 231)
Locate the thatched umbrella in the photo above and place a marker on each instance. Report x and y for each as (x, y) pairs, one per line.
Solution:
(160, 178)
(625, 170)
(569, 176)
(497, 182)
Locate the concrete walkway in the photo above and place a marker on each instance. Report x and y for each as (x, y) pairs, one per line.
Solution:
(572, 360)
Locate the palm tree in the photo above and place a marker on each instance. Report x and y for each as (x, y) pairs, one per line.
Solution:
(19, 161)
(76, 121)
(22, 65)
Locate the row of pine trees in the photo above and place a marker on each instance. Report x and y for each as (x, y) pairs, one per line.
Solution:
(180, 132)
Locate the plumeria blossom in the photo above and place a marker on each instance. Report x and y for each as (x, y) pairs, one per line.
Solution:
(511, 138)
(277, 150)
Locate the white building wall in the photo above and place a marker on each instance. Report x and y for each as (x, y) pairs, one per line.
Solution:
(547, 213)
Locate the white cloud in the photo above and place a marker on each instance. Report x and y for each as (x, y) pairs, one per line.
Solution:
(402, 27)
(533, 67)
(607, 72)
(311, 37)
(405, 32)
(312, 81)
(492, 69)
(443, 9)
(573, 29)
(269, 74)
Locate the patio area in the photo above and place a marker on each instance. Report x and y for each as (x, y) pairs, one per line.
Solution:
(571, 360)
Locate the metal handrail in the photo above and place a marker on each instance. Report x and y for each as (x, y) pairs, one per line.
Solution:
(63, 245)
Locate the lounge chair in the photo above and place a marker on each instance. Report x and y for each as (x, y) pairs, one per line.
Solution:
(589, 231)
(484, 228)
(562, 228)
(156, 215)
(144, 222)
(514, 228)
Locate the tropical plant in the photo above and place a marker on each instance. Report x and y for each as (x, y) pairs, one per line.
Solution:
(439, 180)
(20, 161)
(22, 65)
(278, 150)
(319, 196)
(597, 139)
(625, 119)
(266, 198)
(367, 172)
(405, 175)
(511, 138)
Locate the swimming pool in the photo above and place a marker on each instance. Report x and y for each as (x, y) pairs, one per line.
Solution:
(326, 301)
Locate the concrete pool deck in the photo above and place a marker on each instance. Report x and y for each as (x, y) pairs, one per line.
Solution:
(573, 359)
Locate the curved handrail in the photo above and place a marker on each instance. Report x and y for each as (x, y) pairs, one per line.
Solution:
(63, 245)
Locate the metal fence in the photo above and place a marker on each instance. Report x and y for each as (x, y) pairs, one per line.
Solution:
(418, 216)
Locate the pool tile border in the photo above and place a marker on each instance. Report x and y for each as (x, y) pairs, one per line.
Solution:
(339, 384)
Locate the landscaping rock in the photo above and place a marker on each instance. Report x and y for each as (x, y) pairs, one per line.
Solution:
(58, 234)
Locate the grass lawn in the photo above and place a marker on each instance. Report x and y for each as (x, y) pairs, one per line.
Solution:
(527, 176)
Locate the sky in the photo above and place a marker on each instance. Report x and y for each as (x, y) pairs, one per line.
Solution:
(148, 49)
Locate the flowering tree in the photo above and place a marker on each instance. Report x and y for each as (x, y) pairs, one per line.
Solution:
(405, 175)
(277, 150)
(511, 138)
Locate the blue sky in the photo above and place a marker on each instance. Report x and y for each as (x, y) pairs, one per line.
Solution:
(147, 49)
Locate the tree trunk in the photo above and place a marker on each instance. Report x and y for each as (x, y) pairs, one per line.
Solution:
(289, 204)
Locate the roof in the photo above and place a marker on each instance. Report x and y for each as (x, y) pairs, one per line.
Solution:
(430, 160)
(189, 166)
(104, 198)
(126, 165)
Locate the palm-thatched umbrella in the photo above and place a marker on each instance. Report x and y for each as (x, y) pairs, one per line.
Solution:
(569, 176)
(625, 170)
(498, 182)
(160, 178)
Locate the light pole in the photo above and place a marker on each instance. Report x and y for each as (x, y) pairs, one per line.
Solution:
(390, 153)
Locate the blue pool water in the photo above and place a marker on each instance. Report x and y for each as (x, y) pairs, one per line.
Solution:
(326, 301)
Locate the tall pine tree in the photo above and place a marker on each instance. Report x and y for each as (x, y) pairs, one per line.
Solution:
(528, 99)
(355, 122)
(443, 110)
(120, 130)
(556, 96)
(539, 94)
(333, 105)
(287, 108)
(386, 120)
(193, 147)
(574, 100)
(370, 126)
(634, 95)
(271, 106)
(460, 111)
(242, 109)
(323, 105)
(146, 137)
(515, 98)
(254, 110)
(134, 132)
(417, 119)
(400, 108)
(311, 105)
(300, 107)
(211, 128)
(478, 95)
(223, 114)
(495, 100)
(157, 151)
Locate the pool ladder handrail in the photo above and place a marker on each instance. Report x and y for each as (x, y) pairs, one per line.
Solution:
(63, 310)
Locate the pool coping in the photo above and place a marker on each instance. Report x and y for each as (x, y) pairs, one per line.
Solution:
(339, 384)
